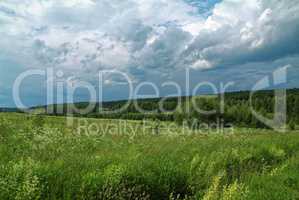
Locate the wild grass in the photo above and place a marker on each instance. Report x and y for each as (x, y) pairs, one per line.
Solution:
(42, 158)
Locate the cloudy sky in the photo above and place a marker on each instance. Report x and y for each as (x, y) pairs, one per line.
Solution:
(219, 41)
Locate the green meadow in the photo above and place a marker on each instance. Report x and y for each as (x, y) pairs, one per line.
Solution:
(43, 158)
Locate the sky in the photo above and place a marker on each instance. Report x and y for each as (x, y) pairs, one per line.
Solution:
(157, 41)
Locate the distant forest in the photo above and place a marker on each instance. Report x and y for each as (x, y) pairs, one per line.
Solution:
(237, 109)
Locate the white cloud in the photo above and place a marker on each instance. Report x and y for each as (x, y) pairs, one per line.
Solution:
(239, 32)
(142, 36)
(202, 64)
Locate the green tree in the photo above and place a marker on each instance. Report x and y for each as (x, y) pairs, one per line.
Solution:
(292, 125)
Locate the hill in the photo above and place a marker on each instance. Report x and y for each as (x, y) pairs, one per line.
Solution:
(236, 109)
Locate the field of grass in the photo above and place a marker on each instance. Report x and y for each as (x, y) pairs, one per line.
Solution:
(42, 158)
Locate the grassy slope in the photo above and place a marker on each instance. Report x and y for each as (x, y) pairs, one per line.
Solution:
(43, 159)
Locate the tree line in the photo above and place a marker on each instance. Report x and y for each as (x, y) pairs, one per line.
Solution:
(237, 109)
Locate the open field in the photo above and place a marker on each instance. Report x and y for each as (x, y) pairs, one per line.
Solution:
(42, 158)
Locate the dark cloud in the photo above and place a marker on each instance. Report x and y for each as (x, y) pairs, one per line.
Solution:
(152, 39)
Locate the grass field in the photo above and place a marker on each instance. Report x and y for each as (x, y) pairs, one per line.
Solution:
(42, 158)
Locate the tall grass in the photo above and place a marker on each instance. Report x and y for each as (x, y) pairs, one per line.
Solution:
(44, 159)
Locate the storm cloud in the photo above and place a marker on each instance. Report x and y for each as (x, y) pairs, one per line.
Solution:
(146, 38)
